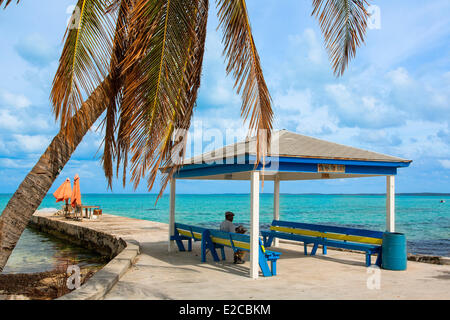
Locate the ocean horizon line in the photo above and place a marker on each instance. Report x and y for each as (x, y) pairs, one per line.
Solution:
(281, 193)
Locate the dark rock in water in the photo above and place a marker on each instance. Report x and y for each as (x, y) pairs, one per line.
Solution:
(423, 258)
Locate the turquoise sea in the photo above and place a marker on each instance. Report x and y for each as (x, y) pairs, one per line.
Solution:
(423, 218)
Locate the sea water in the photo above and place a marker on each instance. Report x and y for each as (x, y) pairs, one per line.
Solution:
(423, 218)
(40, 252)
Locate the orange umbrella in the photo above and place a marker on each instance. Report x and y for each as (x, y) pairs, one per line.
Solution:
(76, 194)
(64, 192)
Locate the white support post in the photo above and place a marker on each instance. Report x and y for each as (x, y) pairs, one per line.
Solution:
(390, 203)
(254, 225)
(172, 214)
(276, 204)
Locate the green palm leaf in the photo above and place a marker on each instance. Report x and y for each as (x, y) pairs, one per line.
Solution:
(85, 59)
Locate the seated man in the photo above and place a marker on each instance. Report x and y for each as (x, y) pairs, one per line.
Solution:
(228, 226)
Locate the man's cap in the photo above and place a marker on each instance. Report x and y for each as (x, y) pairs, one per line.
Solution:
(229, 213)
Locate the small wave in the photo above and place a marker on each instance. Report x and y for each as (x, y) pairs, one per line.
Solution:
(51, 210)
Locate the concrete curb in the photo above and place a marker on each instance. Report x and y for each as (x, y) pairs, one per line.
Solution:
(102, 281)
(103, 243)
(123, 254)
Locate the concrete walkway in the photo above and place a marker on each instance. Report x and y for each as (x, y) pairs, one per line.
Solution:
(338, 275)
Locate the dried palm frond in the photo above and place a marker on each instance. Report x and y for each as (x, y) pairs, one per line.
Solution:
(7, 2)
(173, 151)
(112, 150)
(244, 63)
(344, 24)
(155, 95)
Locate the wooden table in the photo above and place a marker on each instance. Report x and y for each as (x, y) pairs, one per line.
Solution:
(88, 211)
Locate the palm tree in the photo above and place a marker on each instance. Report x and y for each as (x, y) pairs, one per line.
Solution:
(139, 63)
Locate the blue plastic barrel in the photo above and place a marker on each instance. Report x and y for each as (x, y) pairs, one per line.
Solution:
(394, 251)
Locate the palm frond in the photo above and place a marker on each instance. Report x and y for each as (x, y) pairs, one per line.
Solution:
(155, 67)
(7, 2)
(112, 148)
(85, 59)
(343, 24)
(244, 63)
(179, 138)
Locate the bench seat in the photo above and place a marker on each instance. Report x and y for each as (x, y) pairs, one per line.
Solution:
(367, 241)
(215, 239)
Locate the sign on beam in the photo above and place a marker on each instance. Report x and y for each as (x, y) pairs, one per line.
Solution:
(331, 168)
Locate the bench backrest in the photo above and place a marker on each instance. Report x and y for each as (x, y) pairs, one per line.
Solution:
(232, 240)
(329, 232)
(229, 239)
(189, 231)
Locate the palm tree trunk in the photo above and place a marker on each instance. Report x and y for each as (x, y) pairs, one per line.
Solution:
(36, 184)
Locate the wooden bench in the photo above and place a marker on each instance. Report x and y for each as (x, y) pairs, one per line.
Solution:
(189, 233)
(337, 237)
(215, 239)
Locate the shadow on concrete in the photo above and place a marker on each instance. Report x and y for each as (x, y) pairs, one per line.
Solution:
(125, 290)
(445, 275)
(299, 254)
(159, 251)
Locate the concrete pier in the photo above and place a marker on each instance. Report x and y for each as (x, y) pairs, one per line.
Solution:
(157, 274)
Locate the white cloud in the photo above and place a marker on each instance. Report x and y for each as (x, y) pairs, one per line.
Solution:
(208, 133)
(15, 100)
(420, 140)
(354, 110)
(222, 92)
(400, 77)
(85, 169)
(10, 122)
(424, 26)
(28, 143)
(36, 50)
(297, 110)
(15, 163)
(445, 163)
(308, 40)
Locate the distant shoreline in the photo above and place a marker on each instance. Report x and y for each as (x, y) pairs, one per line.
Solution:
(282, 193)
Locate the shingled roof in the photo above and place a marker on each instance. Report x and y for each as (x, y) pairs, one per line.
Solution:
(289, 144)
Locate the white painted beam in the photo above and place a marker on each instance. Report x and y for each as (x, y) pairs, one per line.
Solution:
(390, 203)
(254, 225)
(276, 204)
(172, 214)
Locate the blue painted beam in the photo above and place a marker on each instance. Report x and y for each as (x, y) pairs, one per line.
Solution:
(287, 164)
(211, 170)
(252, 159)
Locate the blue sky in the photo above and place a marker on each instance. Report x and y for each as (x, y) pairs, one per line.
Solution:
(394, 98)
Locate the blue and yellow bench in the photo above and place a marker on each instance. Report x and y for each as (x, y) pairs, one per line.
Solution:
(367, 241)
(187, 232)
(215, 239)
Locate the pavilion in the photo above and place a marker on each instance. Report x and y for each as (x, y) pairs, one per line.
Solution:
(291, 156)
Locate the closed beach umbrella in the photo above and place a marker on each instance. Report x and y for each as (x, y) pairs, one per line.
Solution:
(76, 194)
(64, 192)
